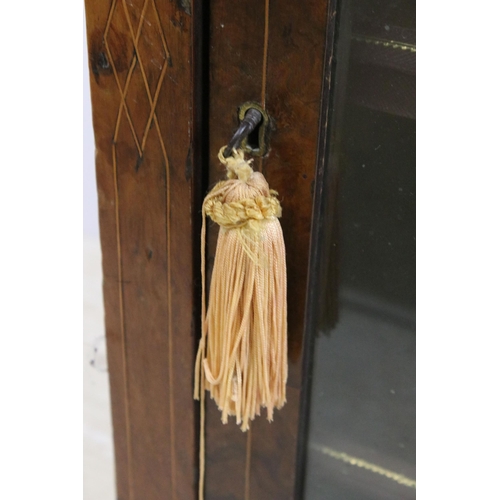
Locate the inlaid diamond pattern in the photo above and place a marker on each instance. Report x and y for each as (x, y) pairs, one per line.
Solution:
(148, 53)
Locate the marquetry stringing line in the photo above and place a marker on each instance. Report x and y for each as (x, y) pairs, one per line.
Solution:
(123, 93)
(140, 147)
(248, 463)
(152, 102)
(264, 65)
(264, 57)
(119, 257)
(158, 86)
(248, 454)
(122, 325)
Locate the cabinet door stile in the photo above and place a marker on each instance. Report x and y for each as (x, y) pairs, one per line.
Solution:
(140, 55)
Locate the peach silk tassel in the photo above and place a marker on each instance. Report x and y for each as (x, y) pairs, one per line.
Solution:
(242, 355)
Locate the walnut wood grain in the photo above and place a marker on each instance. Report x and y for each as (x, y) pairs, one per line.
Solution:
(142, 98)
(290, 89)
(149, 86)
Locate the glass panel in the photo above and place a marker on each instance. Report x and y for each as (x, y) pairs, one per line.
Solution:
(362, 414)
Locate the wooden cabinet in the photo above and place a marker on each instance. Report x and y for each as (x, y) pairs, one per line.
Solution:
(167, 79)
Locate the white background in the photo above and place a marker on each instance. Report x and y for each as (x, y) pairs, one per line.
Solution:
(90, 218)
(98, 464)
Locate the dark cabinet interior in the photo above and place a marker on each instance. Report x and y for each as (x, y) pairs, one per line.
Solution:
(361, 441)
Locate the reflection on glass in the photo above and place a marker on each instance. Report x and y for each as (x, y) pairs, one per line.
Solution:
(362, 414)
